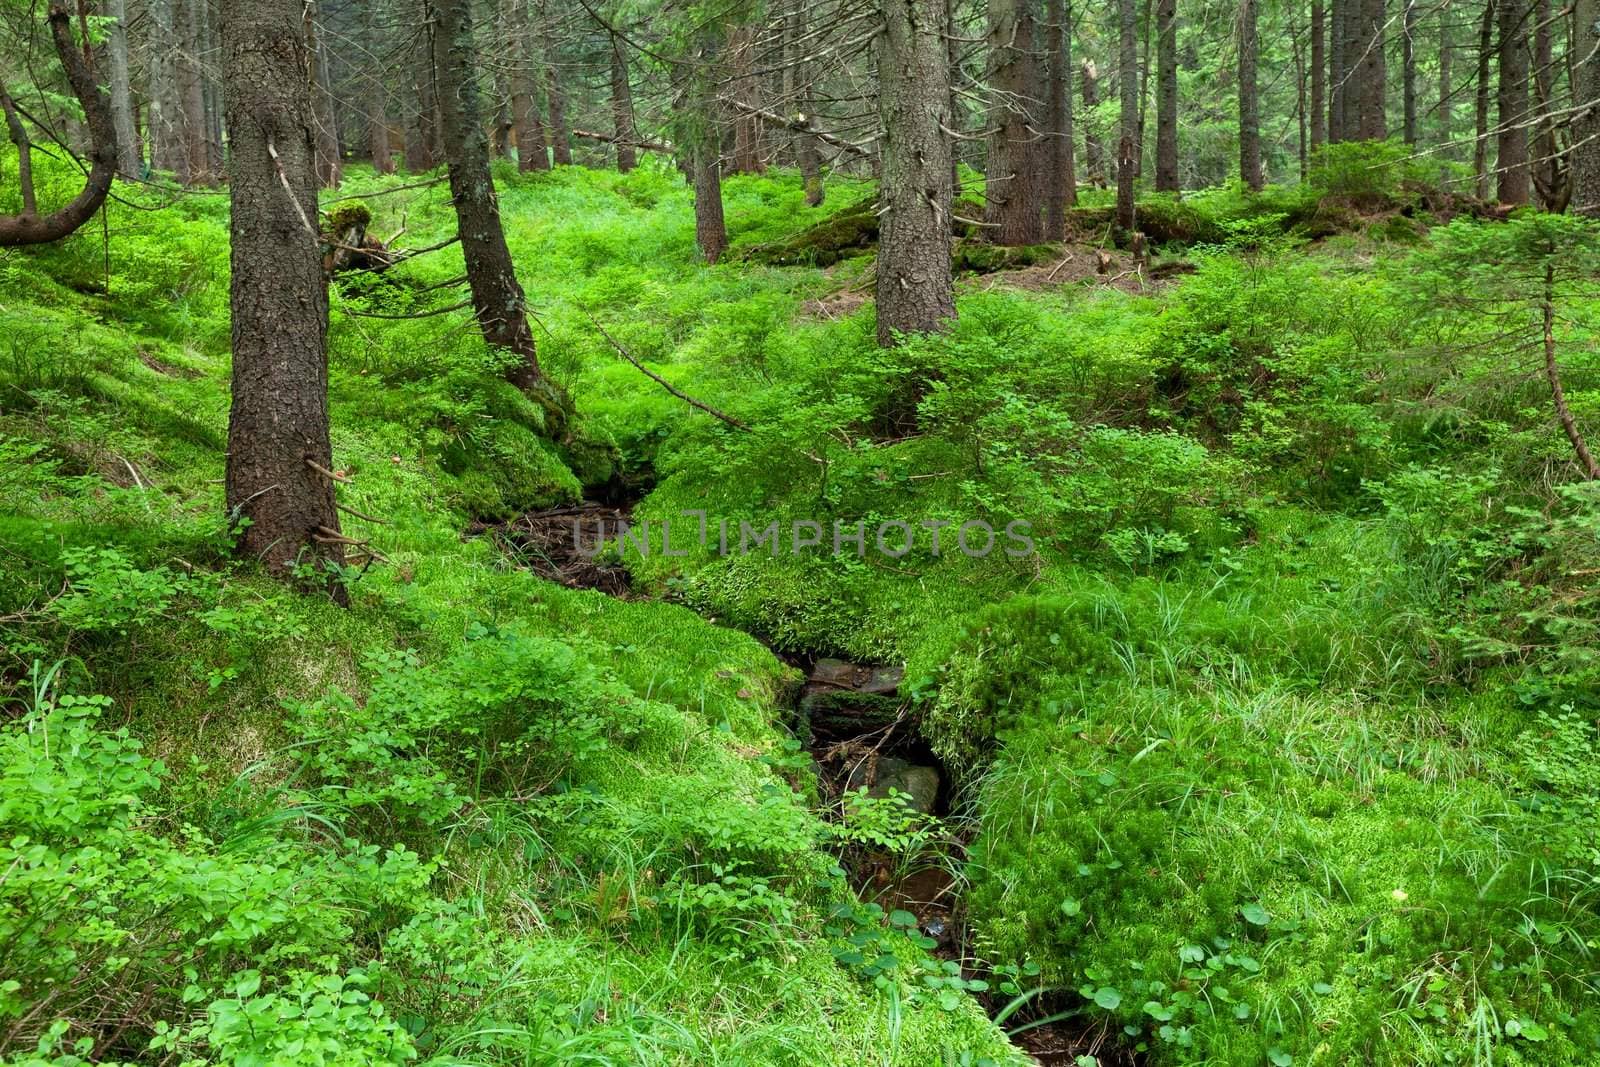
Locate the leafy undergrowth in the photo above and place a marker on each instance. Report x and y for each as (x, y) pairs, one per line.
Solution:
(477, 818)
(1277, 746)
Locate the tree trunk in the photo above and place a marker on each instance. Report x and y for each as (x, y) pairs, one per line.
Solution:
(533, 153)
(29, 227)
(1094, 156)
(559, 133)
(379, 147)
(329, 167)
(1552, 373)
(278, 423)
(1446, 88)
(191, 92)
(497, 297)
(1060, 179)
(129, 159)
(422, 140)
(1480, 148)
(622, 107)
(1546, 168)
(914, 293)
(1167, 96)
(1128, 119)
(1300, 97)
(1408, 72)
(167, 149)
(1013, 206)
(747, 91)
(1373, 71)
(1319, 76)
(1249, 101)
(797, 69)
(1511, 156)
(710, 229)
(1338, 69)
(1586, 124)
(211, 92)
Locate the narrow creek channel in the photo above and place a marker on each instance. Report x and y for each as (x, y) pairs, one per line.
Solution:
(857, 727)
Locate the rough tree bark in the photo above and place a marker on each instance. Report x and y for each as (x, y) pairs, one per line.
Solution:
(1586, 125)
(1480, 145)
(1338, 69)
(1511, 104)
(1061, 189)
(1167, 95)
(798, 75)
(914, 293)
(1128, 123)
(1249, 100)
(746, 90)
(1319, 75)
(167, 151)
(1546, 169)
(1372, 73)
(1013, 207)
(191, 92)
(533, 153)
(497, 297)
(278, 423)
(622, 107)
(29, 227)
(1408, 72)
(710, 228)
(130, 160)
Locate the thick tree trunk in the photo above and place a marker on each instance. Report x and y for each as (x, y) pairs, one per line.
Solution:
(191, 92)
(1167, 96)
(1060, 178)
(1511, 156)
(1586, 125)
(497, 297)
(1094, 155)
(1128, 123)
(1338, 69)
(211, 92)
(29, 227)
(533, 153)
(1546, 167)
(1372, 72)
(710, 229)
(1319, 76)
(130, 160)
(1408, 72)
(1013, 203)
(278, 423)
(1480, 146)
(622, 107)
(1249, 101)
(914, 292)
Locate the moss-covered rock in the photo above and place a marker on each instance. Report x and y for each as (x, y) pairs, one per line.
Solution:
(851, 232)
(980, 257)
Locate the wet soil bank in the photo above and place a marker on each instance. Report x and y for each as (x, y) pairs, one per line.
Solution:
(860, 733)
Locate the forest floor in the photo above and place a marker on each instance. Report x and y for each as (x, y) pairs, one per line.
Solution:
(1226, 769)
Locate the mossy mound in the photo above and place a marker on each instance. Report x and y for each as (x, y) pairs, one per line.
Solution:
(980, 257)
(851, 232)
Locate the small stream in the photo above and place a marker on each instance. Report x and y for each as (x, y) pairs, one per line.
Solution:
(860, 733)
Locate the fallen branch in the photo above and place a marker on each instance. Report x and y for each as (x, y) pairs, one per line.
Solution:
(646, 146)
(410, 315)
(668, 386)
